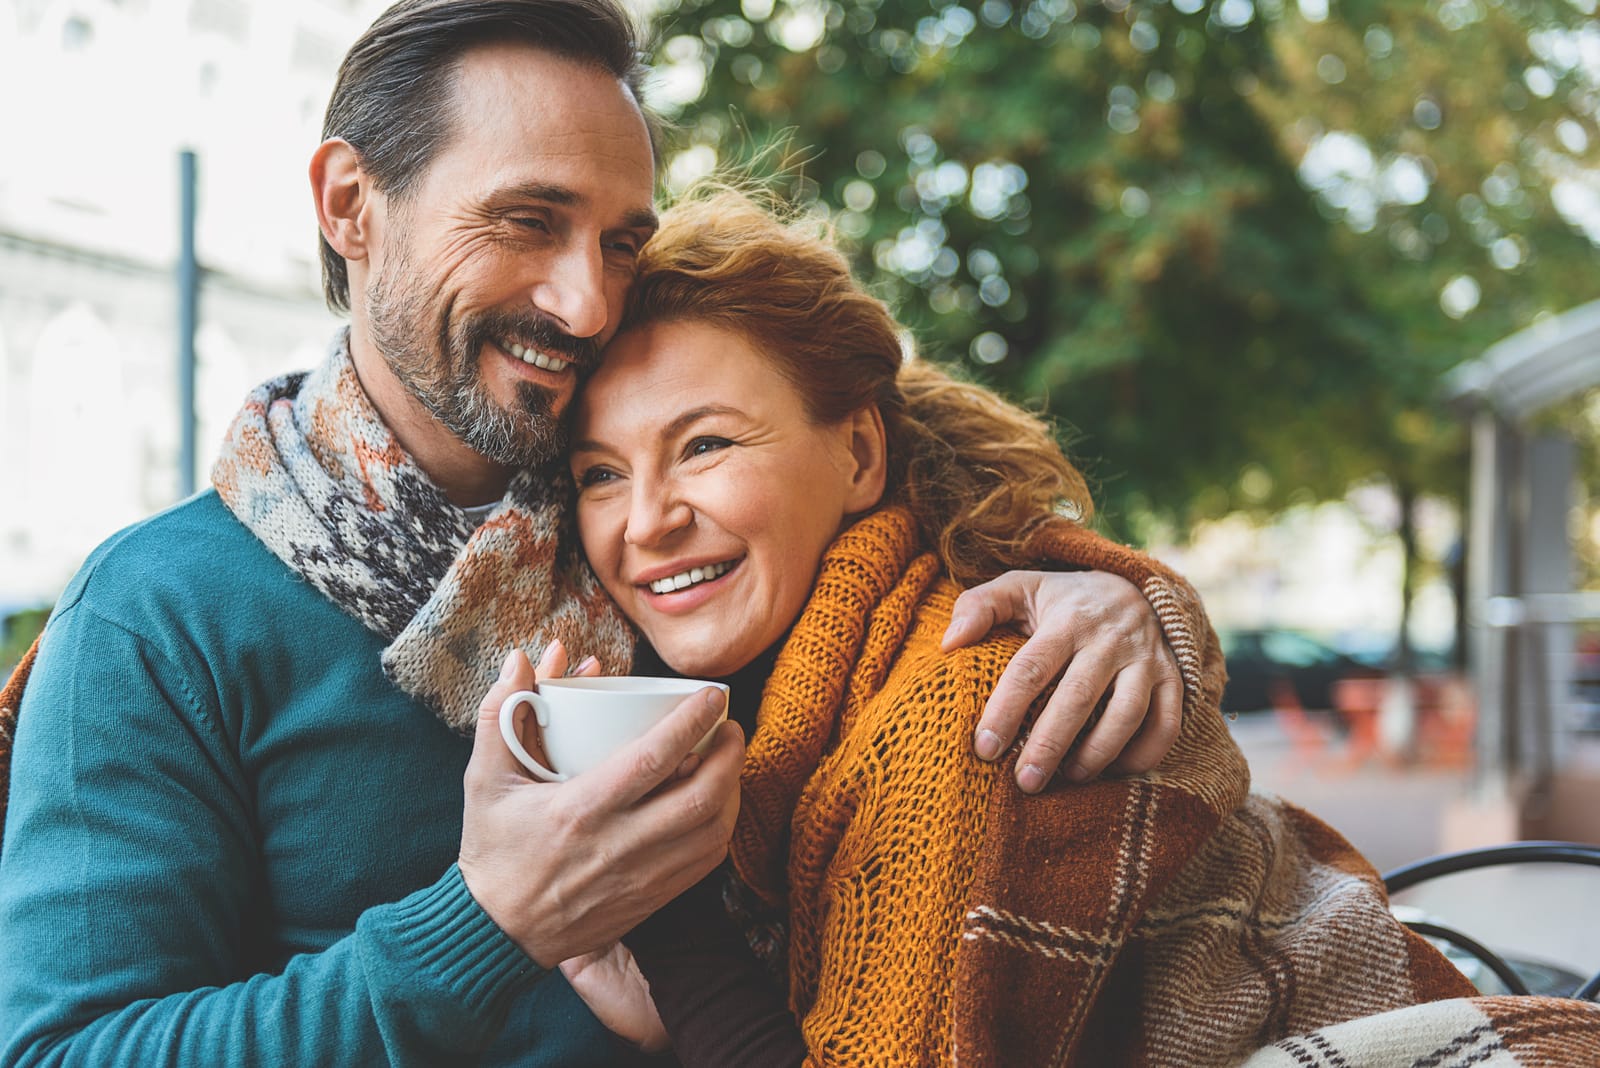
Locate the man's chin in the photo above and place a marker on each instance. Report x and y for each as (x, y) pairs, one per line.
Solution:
(517, 446)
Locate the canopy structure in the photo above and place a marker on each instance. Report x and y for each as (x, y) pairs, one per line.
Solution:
(1521, 603)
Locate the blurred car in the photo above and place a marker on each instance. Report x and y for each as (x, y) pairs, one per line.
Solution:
(1261, 661)
(1586, 684)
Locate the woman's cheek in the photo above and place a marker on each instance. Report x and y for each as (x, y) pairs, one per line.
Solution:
(601, 537)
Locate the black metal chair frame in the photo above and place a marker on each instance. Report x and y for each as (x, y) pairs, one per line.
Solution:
(1403, 878)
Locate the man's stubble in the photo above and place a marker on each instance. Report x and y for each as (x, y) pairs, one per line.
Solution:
(437, 359)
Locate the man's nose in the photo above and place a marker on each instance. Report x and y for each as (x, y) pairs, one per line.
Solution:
(574, 291)
(654, 513)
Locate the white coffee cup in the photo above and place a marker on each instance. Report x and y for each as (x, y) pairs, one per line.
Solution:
(584, 720)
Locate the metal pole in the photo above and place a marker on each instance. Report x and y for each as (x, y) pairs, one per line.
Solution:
(188, 318)
(1486, 553)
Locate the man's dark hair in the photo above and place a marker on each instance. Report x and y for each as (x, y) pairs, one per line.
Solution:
(393, 101)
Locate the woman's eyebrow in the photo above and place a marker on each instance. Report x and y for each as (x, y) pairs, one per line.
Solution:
(677, 426)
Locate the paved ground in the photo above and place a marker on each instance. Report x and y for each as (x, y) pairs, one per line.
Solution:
(1395, 815)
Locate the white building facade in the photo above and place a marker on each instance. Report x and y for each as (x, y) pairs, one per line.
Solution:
(102, 96)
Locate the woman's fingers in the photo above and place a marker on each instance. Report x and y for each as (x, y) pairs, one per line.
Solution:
(553, 664)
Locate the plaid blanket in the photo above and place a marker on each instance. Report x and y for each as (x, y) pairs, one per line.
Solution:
(1495, 1032)
(1199, 924)
(939, 915)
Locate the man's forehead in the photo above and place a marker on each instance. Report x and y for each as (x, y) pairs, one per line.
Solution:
(519, 109)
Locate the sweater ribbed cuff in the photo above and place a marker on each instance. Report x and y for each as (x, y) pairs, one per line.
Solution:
(448, 934)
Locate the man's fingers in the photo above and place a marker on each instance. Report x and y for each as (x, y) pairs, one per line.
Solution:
(979, 610)
(1159, 731)
(644, 764)
(1022, 683)
(1101, 744)
(1061, 720)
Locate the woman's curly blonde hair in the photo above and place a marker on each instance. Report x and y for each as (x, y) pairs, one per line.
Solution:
(979, 474)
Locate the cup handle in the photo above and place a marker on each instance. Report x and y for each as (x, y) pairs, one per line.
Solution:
(508, 731)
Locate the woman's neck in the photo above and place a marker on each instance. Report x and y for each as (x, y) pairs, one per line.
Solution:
(744, 686)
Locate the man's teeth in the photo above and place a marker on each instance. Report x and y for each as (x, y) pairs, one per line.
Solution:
(690, 577)
(535, 357)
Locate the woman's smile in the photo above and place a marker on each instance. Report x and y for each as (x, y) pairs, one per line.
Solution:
(672, 590)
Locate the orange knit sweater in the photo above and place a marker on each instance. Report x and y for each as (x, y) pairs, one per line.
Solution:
(937, 914)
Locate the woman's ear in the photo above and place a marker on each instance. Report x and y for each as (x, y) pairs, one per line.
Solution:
(344, 199)
(869, 448)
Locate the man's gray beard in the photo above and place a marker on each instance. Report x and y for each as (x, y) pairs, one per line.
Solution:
(447, 380)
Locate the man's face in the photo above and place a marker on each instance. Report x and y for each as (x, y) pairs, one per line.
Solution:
(504, 269)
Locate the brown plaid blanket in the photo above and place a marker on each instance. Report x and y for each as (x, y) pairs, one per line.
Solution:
(1494, 1032)
(1177, 919)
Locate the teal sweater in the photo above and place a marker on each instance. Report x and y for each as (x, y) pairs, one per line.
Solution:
(232, 841)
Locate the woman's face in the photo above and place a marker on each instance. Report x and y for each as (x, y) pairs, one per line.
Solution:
(706, 496)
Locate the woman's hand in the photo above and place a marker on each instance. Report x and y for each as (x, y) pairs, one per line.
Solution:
(1102, 630)
(610, 984)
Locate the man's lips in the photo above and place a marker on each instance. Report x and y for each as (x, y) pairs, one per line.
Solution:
(534, 356)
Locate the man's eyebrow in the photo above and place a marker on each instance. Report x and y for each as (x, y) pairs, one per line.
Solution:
(636, 219)
(642, 219)
(672, 429)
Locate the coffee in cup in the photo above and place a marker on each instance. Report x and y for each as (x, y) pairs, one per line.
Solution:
(583, 720)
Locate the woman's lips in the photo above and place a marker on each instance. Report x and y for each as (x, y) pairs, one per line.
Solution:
(684, 598)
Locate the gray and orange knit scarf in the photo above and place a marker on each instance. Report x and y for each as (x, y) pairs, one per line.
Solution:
(311, 470)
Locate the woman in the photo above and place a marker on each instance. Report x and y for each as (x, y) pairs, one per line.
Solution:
(762, 484)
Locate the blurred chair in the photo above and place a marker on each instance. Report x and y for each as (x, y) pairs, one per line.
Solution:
(1511, 973)
(1307, 737)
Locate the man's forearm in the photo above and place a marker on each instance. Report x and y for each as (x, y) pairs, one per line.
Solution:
(424, 981)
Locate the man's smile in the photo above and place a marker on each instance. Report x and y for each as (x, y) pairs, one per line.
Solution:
(530, 354)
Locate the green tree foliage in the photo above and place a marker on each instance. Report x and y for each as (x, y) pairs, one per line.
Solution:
(1232, 243)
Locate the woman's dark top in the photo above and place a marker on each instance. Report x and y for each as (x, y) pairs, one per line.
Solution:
(719, 1003)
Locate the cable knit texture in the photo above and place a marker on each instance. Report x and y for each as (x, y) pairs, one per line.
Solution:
(310, 469)
(939, 915)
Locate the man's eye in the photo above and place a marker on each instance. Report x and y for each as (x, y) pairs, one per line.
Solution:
(627, 246)
(529, 222)
(703, 446)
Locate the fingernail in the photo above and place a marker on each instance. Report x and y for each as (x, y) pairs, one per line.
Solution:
(988, 744)
(509, 668)
(1077, 773)
(588, 662)
(715, 697)
(1031, 779)
(548, 656)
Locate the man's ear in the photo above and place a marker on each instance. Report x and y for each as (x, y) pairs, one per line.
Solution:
(869, 448)
(345, 199)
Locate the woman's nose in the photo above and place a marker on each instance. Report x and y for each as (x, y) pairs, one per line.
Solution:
(655, 513)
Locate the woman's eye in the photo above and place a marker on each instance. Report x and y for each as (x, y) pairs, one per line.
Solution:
(702, 446)
(596, 476)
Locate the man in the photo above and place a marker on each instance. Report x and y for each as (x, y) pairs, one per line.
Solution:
(235, 831)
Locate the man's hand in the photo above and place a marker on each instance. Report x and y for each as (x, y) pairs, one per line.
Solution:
(1102, 630)
(609, 982)
(566, 868)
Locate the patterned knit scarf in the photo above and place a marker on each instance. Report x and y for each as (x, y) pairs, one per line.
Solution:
(311, 470)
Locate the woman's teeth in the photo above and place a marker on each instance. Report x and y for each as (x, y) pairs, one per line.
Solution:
(534, 356)
(690, 577)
